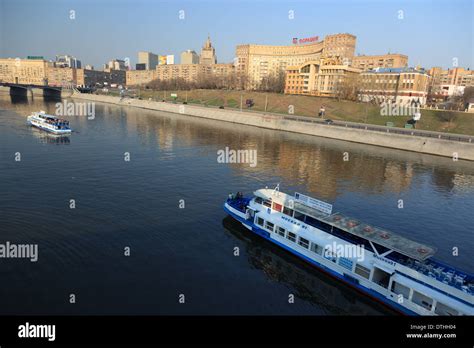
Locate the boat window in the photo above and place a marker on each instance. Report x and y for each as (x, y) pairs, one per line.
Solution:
(258, 200)
(422, 300)
(362, 271)
(351, 238)
(269, 226)
(303, 242)
(287, 211)
(380, 277)
(299, 216)
(380, 248)
(277, 206)
(291, 236)
(280, 231)
(442, 309)
(400, 289)
(260, 221)
(316, 248)
(267, 203)
(318, 224)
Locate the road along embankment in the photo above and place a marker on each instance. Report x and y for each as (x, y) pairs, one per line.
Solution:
(422, 144)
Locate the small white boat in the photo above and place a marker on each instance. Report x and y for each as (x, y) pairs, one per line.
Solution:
(388, 267)
(49, 123)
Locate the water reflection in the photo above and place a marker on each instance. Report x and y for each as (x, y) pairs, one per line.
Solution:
(309, 161)
(49, 138)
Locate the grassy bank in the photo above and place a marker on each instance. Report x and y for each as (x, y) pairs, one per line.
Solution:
(433, 120)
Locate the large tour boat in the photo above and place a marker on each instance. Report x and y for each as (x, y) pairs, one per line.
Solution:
(396, 271)
(49, 123)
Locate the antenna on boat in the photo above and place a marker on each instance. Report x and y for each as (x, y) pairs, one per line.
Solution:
(276, 189)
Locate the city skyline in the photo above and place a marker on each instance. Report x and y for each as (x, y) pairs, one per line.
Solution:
(116, 29)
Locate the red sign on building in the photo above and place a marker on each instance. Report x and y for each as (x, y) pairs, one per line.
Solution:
(305, 40)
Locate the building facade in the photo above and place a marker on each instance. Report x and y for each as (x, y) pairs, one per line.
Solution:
(149, 59)
(24, 71)
(407, 86)
(450, 82)
(93, 78)
(189, 57)
(260, 61)
(394, 60)
(186, 72)
(327, 77)
(61, 76)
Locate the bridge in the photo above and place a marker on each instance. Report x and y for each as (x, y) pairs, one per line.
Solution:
(28, 90)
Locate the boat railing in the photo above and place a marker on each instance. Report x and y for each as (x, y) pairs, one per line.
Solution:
(239, 203)
(439, 271)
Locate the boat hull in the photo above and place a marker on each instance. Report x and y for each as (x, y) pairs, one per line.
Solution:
(53, 131)
(360, 288)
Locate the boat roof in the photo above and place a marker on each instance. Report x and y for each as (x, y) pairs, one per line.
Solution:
(386, 238)
(44, 114)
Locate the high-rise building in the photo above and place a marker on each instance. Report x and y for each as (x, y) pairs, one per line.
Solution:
(170, 59)
(116, 64)
(67, 61)
(149, 59)
(189, 57)
(208, 53)
(259, 61)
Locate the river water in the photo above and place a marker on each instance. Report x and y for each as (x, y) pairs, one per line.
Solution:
(136, 205)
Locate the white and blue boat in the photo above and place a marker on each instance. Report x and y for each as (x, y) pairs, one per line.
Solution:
(49, 123)
(390, 268)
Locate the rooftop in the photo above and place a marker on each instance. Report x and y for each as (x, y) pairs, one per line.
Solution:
(383, 237)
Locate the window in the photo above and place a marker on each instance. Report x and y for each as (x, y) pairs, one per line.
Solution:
(442, 309)
(400, 289)
(269, 226)
(287, 211)
(299, 216)
(381, 277)
(362, 271)
(258, 200)
(260, 221)
(328, 254)
(318, 249)
(267, 203)
(281, 231)
(303, 242)
(277, 206)
(291, 236)
(422, 300)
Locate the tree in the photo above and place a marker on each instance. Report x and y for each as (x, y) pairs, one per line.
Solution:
(468, 94)
(348, 88)
(273, 83)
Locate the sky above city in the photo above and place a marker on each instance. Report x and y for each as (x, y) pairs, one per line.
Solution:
(431, 33)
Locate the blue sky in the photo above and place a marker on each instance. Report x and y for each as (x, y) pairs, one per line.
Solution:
(431, 33)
